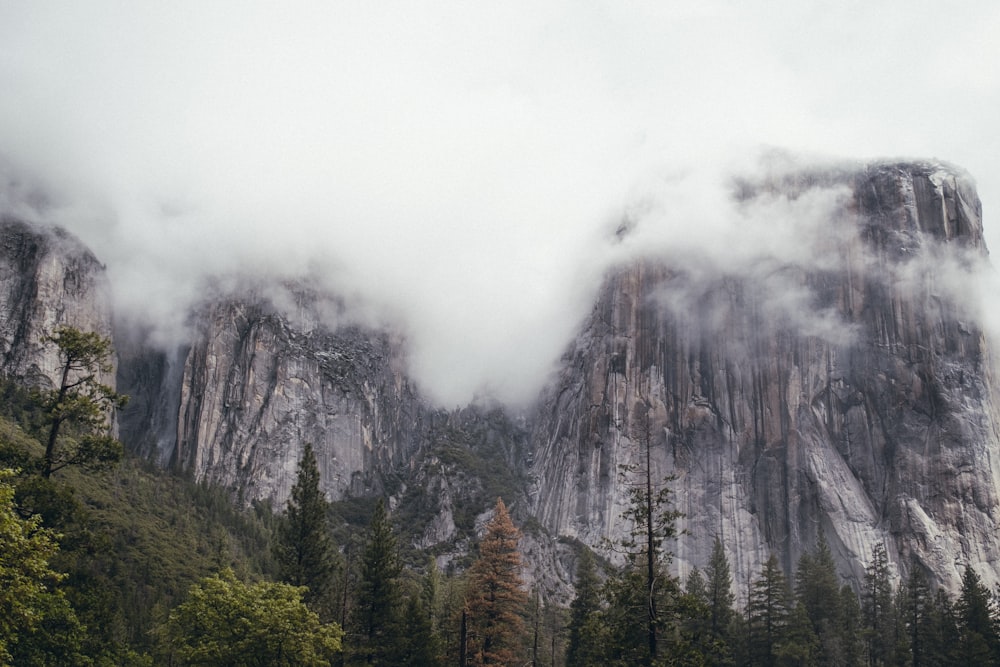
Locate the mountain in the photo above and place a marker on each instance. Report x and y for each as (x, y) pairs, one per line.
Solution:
(841, 384)
(852, 393)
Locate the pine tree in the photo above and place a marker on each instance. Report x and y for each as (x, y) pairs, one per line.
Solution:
(768, 614)
(816, 587)
(378, 608)
(918, 615)
(644, 592)
(304, 549)
(719, 589)
(584, 647)
(495, 599)
(418, 643)
(80, 403)
(877, 609)
(974, 611)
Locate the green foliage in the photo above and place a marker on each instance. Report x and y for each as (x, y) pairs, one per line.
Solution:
(37, 626)
(76, 414)
(976, 613)
(878, 611)
(377, 610)
(768, 613)
(304, 550)
(584, 647)
(227, 622)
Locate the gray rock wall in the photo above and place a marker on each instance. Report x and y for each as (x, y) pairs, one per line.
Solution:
(47, 279)
(255, 388)
(870, 416)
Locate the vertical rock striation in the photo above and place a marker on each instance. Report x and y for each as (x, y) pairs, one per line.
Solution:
(849, 393)
(47, 279)
(256, 387)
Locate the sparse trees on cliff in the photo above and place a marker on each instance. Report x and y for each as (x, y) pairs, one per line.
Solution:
(496, 599)
(77, 413)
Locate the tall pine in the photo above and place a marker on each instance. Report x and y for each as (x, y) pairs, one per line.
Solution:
(977, 629)
(584, 647)
(378, 608)
(768, 614)
(304, 549)
(496, 599)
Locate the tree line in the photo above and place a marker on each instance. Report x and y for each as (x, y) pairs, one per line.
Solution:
(303, 599)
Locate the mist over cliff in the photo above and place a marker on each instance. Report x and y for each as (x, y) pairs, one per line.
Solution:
(477, 252)
(457, 171)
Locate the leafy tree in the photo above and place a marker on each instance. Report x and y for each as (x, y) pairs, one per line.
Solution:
(225, 622)
(496, 599)
(28, 604)
(304, 549)
(377, 609)
(584, 638)
(81, 404)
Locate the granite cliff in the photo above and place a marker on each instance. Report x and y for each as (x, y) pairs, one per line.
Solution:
(47, 279)
(848, 389)
(864, 407)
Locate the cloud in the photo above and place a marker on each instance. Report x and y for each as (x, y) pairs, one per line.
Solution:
(457, 166)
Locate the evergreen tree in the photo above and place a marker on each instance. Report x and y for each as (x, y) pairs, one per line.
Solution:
(697, 643)
(643, 594)
(377, 609)
(943, 641)
(584, 647)
(850, 627)
(81, 404)
(719, 589)
(918, 616)
(975, 615)
(496, 601)
(768, 614)
(797, 643)
(818, 591)
(304, 549)
(418, 644)
(877, 609)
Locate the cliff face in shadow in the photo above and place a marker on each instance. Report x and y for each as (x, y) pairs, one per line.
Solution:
(851, 393)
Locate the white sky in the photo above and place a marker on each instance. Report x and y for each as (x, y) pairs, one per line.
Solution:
(459, 164)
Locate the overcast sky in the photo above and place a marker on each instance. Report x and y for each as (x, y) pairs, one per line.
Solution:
(459, 165)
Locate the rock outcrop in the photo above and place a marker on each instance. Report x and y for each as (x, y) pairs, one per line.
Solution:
(258, 383)
(47, 279)
(843, 387)
(850, 394)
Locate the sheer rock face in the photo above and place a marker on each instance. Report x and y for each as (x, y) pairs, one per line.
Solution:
(256, 387)
(846, 389)
(862, 406)
(47, 279)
